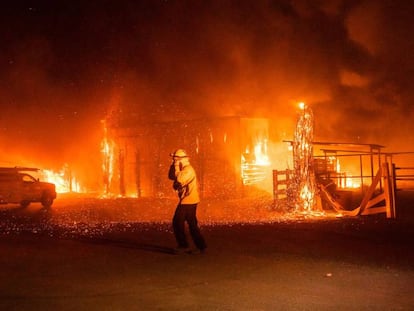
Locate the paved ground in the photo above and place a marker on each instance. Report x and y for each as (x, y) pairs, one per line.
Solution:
(89, 254)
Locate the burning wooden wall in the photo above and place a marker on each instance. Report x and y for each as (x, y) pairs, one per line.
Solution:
(216, 146)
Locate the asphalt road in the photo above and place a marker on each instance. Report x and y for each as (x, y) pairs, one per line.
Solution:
(79, 256)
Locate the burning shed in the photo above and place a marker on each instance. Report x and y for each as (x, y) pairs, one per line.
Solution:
(228, 153)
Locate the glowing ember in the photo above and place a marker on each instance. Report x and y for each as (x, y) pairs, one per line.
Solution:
(306, 196)
(303, 187)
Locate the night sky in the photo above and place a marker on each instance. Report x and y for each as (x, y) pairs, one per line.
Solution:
(66, 64)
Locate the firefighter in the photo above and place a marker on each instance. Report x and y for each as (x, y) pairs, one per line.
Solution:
(185, 184)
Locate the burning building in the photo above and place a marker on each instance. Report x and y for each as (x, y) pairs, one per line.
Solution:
(230, 154)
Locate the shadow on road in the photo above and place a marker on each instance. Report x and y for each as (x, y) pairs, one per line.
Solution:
(132, 245)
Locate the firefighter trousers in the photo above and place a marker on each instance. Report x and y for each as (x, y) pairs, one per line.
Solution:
(187, 213)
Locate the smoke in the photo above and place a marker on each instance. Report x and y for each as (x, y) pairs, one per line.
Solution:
(67, 64)
(378, 103)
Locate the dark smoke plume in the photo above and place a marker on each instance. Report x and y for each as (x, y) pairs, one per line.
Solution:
(67, 64)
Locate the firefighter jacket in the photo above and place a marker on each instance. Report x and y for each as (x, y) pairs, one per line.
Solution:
(185, 184)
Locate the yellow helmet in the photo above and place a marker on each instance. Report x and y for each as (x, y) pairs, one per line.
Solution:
(179, 153)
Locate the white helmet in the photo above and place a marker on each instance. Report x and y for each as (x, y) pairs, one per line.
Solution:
(179, 153)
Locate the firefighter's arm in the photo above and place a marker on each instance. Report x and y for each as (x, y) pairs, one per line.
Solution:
(185, 176)
(171, 172)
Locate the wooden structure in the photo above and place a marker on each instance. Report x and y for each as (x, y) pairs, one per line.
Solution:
(378, 190)
(403, 175)
(373, 202)
(215, 146)
(281, 180)
(368, 155)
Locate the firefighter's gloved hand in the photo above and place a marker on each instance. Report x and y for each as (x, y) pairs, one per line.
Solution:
(176, 185)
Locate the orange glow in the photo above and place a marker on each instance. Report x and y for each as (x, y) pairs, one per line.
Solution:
(260, 153)
(107, 150)
(63, 180)
(254, 165)
(304, 179)
(307, 197)
(345, 179)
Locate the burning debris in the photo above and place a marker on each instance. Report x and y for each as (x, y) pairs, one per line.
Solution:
(255, 164)
(322, 177)
(107, 150)
(303, 186)
(280, 53)
(64, 180)
(230, 153)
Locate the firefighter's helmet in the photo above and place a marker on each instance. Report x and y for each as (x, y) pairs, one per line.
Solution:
(179, 153)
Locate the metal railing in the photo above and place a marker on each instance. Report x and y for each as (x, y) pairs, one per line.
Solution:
(403, 176)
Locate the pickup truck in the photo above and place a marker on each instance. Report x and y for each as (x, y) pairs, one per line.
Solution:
(17, 186)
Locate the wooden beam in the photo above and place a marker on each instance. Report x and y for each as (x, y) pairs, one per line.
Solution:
(370, 191)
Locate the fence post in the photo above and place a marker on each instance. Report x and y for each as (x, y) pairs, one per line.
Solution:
(280, 186)
(388, 191)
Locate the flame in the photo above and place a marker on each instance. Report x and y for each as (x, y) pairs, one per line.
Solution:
(307, 197)
(260, 153)
(345, 179)
(254, 165)
(351, 183)
(63, 180)
(107, 150)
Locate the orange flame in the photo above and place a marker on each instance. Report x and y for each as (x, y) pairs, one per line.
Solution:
(107, 150)
(345, 179)
(63, 180)
(307, 197)
(254, 165)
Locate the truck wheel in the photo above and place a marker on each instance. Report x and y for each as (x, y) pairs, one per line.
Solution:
(47, 200)
(24, 204)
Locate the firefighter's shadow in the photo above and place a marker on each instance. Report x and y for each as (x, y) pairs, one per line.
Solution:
(134, 245)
